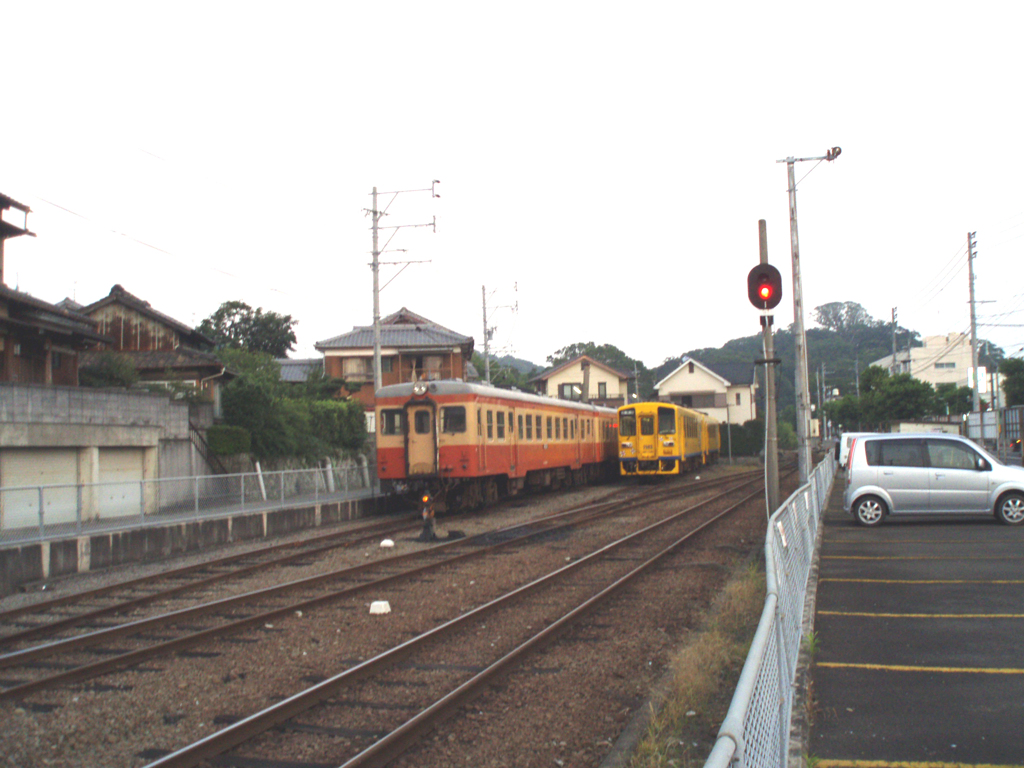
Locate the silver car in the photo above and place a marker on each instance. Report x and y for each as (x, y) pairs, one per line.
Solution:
(904, 474)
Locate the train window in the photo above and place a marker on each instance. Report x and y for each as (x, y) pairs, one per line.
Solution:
(565, 427)
(573, 428)
(391, 422)
(666, 421)
(558, 429)
(627, 423)
(549, 427)
(421, 421)
(520, 426)
(529, 427)
(453, 419)
(501, 425)
(646, 425)
(490, 425)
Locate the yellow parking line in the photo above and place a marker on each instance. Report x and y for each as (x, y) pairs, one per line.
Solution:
(906, 668)
(923, 581)
(924, 615)
(825, 763)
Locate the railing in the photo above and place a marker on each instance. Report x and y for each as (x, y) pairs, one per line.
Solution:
(38, 513)
(755, 733)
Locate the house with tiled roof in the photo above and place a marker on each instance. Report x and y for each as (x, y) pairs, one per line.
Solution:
(162, 350)
(724, 391)
(584, 379)
(40, 343)
(412, 348)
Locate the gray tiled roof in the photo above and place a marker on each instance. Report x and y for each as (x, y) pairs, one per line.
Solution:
(734, 373)
(402, 329)
(297, 371)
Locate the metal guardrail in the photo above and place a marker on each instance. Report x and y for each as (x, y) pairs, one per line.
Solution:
(755, 732)
(43, 512)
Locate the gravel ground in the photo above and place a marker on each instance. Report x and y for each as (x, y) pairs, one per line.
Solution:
(597, 677)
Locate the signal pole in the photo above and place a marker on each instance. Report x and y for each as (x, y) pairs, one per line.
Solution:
(771, 453)
(375, 217)
(803, 398)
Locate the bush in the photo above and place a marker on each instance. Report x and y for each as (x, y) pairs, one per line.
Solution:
(225, 440)
(109, 369)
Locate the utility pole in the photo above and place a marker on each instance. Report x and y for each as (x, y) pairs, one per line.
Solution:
(489, 329)
(974, 321)
(892, 367)
(803, 400)
(375, 216)
(487, 336)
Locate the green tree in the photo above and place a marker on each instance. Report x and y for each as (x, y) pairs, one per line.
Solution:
(236, 325)
(1013, 385)
(952, 400)
(109, 369)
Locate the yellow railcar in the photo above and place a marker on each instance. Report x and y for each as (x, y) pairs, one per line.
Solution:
(665, 439)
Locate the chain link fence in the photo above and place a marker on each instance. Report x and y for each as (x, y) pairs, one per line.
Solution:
(42, 512)
(755, 733)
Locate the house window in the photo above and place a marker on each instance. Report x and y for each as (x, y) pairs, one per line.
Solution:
(354, 366)
(691, 367)
(945, 365)
(739, 399)
(570, 391)
(386, 364)
(602, 390)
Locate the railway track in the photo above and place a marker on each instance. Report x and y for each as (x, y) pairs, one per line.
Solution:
(87, 654)
(375, 710)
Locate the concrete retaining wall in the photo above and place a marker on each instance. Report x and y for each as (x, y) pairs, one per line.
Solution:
(35, 564)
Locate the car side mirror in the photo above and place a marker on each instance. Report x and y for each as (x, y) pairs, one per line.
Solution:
(983, 466)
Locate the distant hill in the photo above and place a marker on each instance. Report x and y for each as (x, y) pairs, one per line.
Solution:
(522, 366)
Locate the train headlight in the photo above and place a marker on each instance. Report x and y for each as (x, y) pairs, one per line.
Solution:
(419, 389)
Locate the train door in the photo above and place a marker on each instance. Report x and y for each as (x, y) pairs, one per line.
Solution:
(481, 443)
(647, 438)
(421, 439)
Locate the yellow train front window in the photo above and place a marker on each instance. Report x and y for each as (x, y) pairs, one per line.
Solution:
(646, 425)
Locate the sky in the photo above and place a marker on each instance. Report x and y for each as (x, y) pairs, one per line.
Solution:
(602, 166)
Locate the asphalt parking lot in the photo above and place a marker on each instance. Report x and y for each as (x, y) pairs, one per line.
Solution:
(919, 626)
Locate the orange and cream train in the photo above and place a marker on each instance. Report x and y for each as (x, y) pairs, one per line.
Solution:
(471, 444)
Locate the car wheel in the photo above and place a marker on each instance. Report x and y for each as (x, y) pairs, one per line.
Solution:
(1010, 509)
(870, 510)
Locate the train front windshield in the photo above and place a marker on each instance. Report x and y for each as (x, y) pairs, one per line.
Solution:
(627, 423)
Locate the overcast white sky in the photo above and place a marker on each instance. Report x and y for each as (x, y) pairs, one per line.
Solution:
(609, 160)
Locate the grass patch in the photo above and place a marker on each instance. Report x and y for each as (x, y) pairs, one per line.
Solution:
(704, 675)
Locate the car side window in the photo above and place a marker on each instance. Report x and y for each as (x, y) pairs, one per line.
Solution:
(945, 454)
(902, 453)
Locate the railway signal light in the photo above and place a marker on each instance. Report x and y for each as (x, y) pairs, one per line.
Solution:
(764, 286)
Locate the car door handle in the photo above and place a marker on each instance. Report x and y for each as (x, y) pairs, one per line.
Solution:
(939, 475)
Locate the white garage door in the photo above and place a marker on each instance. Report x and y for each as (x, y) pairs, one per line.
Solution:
(38, 467)
(120, 490)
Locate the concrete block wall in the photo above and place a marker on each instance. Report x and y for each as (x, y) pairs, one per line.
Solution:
(39, 405)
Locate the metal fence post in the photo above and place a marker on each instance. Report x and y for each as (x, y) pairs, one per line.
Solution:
(142, 498)
(282, 487)
(78, 510)
(195, 494)
(42, 523)
(243, 490)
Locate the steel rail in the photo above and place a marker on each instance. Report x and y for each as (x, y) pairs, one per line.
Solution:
(131, 658)
(275, 715)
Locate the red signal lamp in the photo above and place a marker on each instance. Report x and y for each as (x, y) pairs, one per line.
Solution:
(764, 286)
